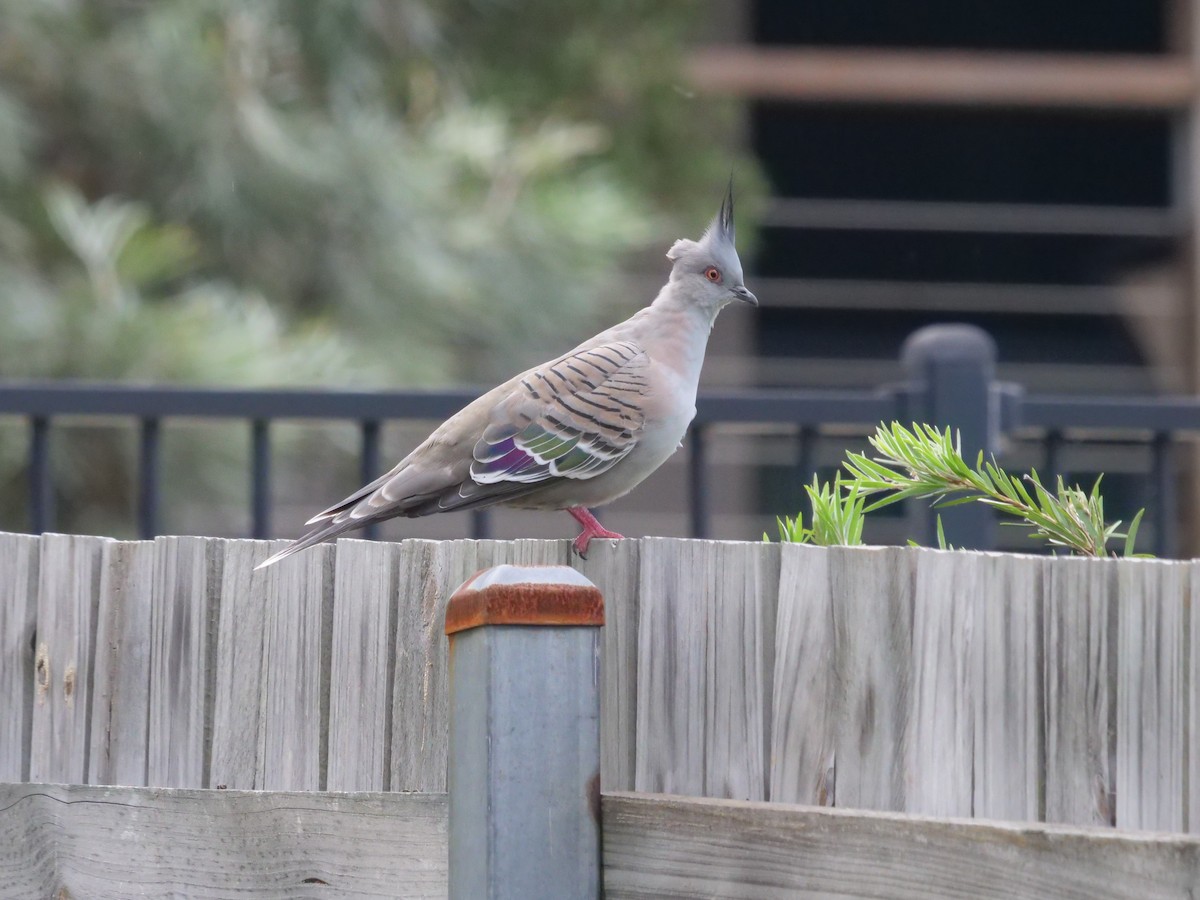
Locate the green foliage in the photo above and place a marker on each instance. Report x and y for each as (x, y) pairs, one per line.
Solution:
(617, 63)
(926, 463)
(264, 192)
(112, 308)
(401, 171)
(837, 516)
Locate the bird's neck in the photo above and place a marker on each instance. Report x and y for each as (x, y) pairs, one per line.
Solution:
(679, 332)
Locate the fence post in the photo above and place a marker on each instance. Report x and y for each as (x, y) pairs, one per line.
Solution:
(524, 768)
(952, 373)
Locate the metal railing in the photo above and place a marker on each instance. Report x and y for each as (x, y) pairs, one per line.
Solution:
(950, 371)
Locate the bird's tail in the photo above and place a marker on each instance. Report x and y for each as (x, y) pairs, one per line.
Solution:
(340, 518)
(323, 532)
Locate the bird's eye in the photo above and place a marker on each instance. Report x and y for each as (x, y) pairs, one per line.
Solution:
(713, 274)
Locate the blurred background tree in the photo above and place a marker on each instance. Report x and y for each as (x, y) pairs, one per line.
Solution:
(345, 191)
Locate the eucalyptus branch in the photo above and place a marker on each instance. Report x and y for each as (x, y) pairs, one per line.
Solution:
(926, 463)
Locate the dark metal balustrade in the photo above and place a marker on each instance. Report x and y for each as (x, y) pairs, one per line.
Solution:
(951, 381)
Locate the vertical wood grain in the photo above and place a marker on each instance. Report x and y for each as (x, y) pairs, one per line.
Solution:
(802, 724)
(740, 655)
(872, 615)
(706, 648)
(361, 672)
(429, 571)
(672, 659)
(1151, 704)
(614, 567)
(237, 684)
(68, 593)
(18, 630)
(294, 711)
(121, 675)
(523, 552)
(1007, 681)
(941, 745)
(187, 571)
(1080, 605)
(1193, 698)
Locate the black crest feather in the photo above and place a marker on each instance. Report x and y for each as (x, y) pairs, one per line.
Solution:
(722, 226)
(726, 215)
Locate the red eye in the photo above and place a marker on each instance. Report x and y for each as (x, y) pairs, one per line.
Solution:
(713, 274)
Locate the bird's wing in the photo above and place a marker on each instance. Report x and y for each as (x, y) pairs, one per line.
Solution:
(575, 418)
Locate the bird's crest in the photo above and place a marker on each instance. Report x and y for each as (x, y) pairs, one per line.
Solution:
(720, 229)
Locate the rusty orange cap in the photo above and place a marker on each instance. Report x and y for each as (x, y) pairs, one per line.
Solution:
(525, 595)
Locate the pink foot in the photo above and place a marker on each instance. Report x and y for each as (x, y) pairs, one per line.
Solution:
(591, 529)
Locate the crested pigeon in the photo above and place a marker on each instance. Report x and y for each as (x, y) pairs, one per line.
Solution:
(578, 431)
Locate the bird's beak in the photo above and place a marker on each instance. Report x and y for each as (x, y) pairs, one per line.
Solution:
(744, 296)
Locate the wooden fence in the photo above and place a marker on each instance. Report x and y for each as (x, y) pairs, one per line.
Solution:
(906, 681)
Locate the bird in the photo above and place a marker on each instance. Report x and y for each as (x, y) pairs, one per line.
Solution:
(576, 432)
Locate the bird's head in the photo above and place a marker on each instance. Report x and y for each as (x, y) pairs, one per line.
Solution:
(708, 270)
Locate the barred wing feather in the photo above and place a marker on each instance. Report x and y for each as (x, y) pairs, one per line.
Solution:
(575, 418)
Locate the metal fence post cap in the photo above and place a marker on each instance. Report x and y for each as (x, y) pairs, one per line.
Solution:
(525, 595)
(947, 343)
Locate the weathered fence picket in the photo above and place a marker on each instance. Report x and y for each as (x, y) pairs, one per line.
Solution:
(361, 671)
(121, 672)
(68, 595)
(1151, 739)
(706, 641)
(18, 623)
(1079, 606)
(843, 677)
(183, 611)
(871, 607)
(739, 670)
(428, 572)
(804, 687)
(1007, 674)
(615, 568)
(941, 746)
(671, 666)
(1192, 677)
(295, 672)
(241, 623)
(19, 554)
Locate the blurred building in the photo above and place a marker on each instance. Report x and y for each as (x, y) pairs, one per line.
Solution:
(1024, 166)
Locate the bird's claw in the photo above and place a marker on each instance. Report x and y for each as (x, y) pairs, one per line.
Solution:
(591, 529)
(581, 544)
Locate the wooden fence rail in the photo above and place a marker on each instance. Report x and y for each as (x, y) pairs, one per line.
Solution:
(71, 842)
(657, 846)
(913, 681)
(74, 841)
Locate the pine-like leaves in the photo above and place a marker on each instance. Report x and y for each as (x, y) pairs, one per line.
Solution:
(837, 516)
(926, 463)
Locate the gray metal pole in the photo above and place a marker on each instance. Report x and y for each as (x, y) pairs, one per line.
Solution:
(524, 775)
(952, 373)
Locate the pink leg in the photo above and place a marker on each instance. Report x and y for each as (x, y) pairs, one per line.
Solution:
(591, 529)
